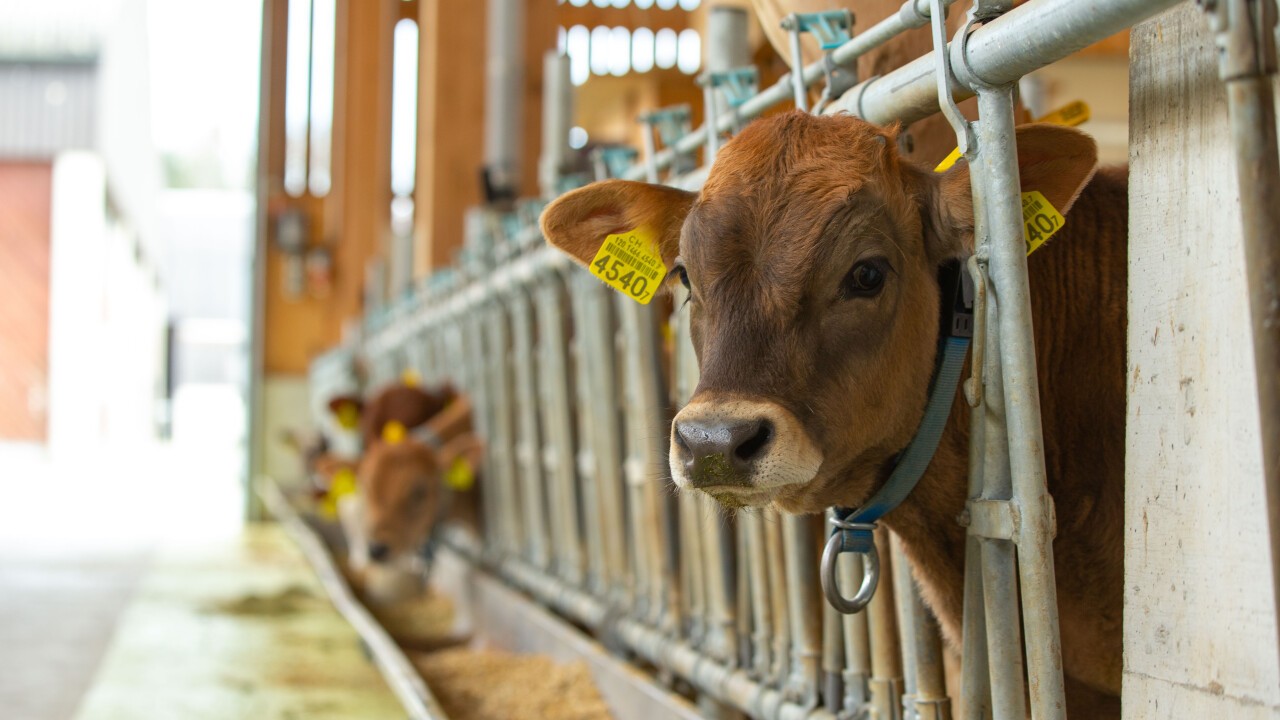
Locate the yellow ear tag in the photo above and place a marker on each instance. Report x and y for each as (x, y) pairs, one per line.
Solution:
(348, 415)
(630, 263)
(460, 476)
(1040, 219)
(1071, 114)
(342, 484)
(410, 378)
(393, 432)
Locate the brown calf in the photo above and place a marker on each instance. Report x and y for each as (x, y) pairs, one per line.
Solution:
(401, 483)
(812, 254)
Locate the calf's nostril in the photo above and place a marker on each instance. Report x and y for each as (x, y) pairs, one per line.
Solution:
(378, 552)
(749, 448)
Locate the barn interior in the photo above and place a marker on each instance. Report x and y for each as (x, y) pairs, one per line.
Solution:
(304, 417)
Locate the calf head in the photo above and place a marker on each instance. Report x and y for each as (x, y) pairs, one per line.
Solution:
(400, 485)
(812, 258)
(408, 405)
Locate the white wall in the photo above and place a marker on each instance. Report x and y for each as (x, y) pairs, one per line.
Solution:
(1199, 622)
(106, 319)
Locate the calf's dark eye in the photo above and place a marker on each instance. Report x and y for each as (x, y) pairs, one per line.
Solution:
(864, 279)
(681, 273)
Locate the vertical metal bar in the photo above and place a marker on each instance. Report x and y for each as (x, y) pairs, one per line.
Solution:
(553, 374)
(995, 581)
(1026, 445)
(716, 533)
(646, 453)
(1246, 34)
(597, 334)
(800, 544)
(857, 641)
(543, 547)
(755, 559)
(778, 596)
(832, 658)
(904, 607)
(589, 430)
(886, 656)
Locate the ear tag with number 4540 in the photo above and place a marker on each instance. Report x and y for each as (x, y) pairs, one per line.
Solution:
(1040, 219)
(630, 263)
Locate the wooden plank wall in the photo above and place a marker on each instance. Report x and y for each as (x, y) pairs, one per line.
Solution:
(1199, 629)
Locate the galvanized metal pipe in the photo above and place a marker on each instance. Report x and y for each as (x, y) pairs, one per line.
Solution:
(912, 14)
(886, 655)
(504, 92)
(1009, 281)
(557, 119)
(754, 564)
(538, 512)
(1247, 64)
(857, 641)
(800, 545)
(557, 452)
(781, 618)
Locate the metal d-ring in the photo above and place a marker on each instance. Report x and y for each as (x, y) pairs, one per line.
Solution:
(870, 570)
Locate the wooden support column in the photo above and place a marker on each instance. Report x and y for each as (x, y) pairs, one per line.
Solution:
(450, 126)
(541, 21)
(1199, 617)
(362, 146)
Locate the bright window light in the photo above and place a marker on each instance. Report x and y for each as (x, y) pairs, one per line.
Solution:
(666, 4)
(324, 19)
(578, 3)
(577, 138)
(561, 40)
(578, 44)
(296, 92)
(644, 4)
(621, 3)
(642, 50)
(619, 52)
(600, 37)
(690, 52)
(665, 46)
(601, 3)
(690, 4)
(404, 107)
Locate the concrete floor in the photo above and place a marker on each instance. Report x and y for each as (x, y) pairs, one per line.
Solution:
(127, 590)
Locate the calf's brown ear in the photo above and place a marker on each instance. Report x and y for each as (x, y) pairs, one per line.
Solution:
(1055, 160)
(578, 222)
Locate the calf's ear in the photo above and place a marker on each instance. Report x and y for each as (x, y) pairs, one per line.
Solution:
(1055, 160)
(578, 222)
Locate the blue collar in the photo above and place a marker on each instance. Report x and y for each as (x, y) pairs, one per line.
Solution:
(853, 528)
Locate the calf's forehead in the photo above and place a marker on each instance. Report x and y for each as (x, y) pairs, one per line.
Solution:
(776, 187)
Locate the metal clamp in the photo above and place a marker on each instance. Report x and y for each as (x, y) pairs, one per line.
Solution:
(942, 73)
(672, 124)
(737, 84)
(870, 567)
(977, 264)
(831, 28)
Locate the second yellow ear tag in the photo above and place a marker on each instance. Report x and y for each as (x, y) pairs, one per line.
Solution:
(460, 476)
(410, 378)
(630, 263)
(348, 415)
(393, 432)
(1040, 219)
(342, 484)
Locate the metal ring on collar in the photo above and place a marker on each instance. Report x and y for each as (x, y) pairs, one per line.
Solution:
(870, 572)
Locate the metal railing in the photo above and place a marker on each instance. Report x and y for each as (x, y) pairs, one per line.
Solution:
(574, 389)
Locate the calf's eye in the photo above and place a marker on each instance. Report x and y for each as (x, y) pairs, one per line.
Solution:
(864, 279)
(679, 271)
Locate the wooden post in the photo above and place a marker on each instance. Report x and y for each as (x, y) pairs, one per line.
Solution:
(450, 127)
(1199, 622)
(362, 145)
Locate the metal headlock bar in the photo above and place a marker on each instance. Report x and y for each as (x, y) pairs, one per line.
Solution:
(573, 395)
